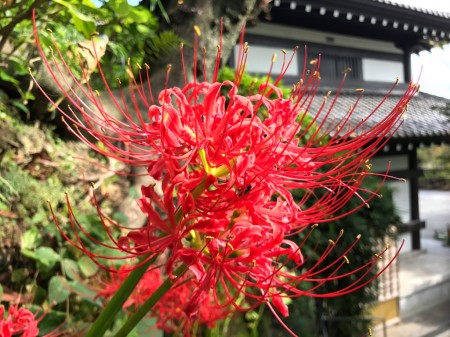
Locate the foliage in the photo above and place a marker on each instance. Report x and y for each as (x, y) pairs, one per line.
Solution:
(128, 30)
(376, 227)
(435, 163)
(34, 259)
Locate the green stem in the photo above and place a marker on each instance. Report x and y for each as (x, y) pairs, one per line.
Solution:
(109, 313)
(139, 314)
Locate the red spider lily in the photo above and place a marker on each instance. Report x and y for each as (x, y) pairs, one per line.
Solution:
(227, 164)
(171, 311)
(19, 321)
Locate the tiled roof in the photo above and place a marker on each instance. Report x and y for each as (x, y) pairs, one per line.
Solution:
(423, 121)
(416, 9)
(377, 19)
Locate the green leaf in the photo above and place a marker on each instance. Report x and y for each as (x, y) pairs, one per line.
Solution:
(57, 290)
(84, 26)
(120, 7)
(39, 218)
(141, 16)
(18, 275)
(20, 106)
(82, 22)
(85, 292)
(71, 269)
(87, 267)
(1, 291)
(46, 258)
(51, 321)
(30, 239)
(8, 78)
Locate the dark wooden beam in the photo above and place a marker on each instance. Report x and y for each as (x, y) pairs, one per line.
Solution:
(414, 198)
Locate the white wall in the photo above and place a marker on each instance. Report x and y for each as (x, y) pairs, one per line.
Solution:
(401, 190)
(382, 70)
(259, 59)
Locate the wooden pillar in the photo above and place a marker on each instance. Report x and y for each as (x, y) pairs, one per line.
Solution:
(414, 196)
(407, 63)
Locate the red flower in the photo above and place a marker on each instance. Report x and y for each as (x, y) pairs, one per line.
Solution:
(172, 311)
(227, 164)
(18, 322)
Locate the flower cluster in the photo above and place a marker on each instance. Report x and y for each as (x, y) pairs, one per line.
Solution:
(18, 322)
(227, 164)
(170, 310)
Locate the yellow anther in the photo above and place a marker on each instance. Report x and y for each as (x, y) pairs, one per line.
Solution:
(370, 332)
(146, 66)
(95, 34)
(283, 51)
(138, 65)
(331, 241)
(341, 232)
(313, 61)
(274, 57)
(346, 259)
(397, 80)
(168, 68)
(197, 30)
(129, 72)
(119, 82)
(49, 30)
(358, 236)
(314, 226)
(388, 245)
(328, 93)
(359, 90)
(253, 263)
(97, 93)
(129, 61)
(209, 237)
(229, 245)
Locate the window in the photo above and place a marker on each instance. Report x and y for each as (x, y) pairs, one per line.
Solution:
(333, 66)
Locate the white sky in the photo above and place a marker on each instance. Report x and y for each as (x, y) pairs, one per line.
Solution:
(435, 65)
